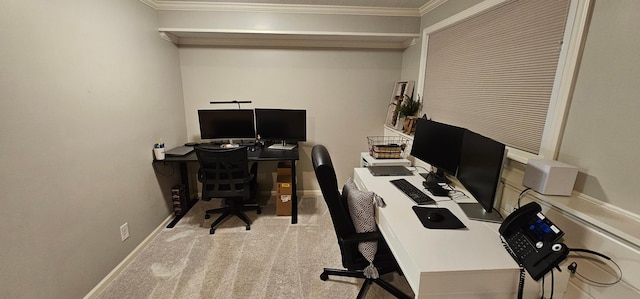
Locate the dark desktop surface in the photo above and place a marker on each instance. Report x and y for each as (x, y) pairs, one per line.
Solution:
(255, 152)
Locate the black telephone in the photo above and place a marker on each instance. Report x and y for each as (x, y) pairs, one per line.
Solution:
(531, 239)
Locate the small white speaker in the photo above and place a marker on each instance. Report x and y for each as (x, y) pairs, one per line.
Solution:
(550, 177)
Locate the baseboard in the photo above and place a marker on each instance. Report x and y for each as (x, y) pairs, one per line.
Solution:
(127, 260)
(301, 193)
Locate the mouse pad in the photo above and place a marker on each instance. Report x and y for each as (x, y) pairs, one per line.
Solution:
(449, 221)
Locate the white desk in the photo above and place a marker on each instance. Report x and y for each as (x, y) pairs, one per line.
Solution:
(463, 263)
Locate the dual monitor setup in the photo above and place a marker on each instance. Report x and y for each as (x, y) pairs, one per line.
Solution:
(278, 125)
(475, 160)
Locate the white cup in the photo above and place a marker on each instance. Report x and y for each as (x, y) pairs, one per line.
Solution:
(159, 153)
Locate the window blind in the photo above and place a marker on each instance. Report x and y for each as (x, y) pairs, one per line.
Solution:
(494, 72)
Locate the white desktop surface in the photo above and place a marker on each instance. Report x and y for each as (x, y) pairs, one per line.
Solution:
(437, 263)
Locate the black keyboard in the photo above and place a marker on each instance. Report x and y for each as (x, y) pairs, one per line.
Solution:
(412, 191)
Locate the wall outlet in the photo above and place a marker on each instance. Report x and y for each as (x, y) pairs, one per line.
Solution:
(124, 231)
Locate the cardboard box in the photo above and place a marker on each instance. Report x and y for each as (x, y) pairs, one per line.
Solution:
(284, 168)
(283, 190)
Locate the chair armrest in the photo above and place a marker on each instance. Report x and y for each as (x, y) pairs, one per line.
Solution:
(362, 237)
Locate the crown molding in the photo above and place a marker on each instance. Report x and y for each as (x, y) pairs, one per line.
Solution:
(288, 8)
(429, 6)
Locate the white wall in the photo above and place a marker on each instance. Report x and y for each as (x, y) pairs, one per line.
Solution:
(345, 93)
(602, 126)
(86, 88)
(601, 138)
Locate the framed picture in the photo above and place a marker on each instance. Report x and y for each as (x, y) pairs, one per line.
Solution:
(400, 90)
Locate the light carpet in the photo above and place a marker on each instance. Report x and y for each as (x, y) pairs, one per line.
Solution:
(275, 259)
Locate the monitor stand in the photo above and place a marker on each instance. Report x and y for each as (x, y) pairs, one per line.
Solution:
(434, 177)
(282, 146)
(476, 212)
(230, 145)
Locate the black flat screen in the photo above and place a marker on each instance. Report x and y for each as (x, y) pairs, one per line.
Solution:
(227, 124)
(281, 124)
(480, 167)
(437, 144)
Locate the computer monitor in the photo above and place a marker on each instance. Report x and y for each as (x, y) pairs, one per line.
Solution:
(227, 124)
(437, 144)
(281, 125)
(479, 170)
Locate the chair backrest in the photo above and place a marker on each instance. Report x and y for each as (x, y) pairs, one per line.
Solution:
(224, 172)
(337, 204)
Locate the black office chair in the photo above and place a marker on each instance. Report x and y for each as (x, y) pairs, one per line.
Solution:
(348, 239)
(224, 173)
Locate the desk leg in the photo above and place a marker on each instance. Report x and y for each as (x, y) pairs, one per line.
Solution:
(294, 195)
(184, 178)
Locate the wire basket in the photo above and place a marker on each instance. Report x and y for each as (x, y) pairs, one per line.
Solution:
(387, 147)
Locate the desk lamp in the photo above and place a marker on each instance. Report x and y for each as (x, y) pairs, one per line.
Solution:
(231, 102)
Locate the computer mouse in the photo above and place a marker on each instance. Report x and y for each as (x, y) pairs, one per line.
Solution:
(435, 216)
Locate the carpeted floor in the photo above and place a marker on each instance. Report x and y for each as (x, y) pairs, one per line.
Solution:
(275, 259)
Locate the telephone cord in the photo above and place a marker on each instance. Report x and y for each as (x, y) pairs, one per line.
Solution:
(574, 266)
(522, 271)
(521, 281)
(552, 285)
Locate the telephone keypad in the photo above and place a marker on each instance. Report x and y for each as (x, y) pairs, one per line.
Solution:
(520, 245)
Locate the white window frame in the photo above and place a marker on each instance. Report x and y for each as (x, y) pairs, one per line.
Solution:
(563, 84)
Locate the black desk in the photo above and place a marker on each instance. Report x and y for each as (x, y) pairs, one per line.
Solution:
(260, 154)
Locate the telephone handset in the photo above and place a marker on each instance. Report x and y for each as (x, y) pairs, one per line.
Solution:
(531, 239)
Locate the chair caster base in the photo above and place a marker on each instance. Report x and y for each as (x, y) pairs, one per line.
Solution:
(212, 231)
